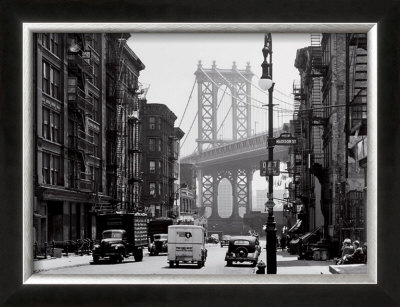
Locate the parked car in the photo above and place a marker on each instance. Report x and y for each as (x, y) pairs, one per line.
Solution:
(225, 240)
(212, 240)
(243, 248)
(159, 245)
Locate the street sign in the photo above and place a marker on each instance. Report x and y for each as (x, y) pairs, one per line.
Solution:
(286, 139)
(269, 168)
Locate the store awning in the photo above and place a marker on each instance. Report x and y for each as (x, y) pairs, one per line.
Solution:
(296, 226)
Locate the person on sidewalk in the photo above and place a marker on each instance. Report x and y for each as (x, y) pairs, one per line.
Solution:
(347, 249)
(356, 257)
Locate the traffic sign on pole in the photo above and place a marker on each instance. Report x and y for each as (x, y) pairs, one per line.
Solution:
(270, 168)
(286, 139)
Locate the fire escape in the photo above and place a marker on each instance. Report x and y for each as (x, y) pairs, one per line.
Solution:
(352, 215)
(116, 130)
(134, 147)
(80, 106)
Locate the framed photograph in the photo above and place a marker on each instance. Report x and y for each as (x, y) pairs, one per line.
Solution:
(57, 121)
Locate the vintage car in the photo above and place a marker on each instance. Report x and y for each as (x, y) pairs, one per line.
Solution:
(225, 240)
(159, 245)
(243, 249)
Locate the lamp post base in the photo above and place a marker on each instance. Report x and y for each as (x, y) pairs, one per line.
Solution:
(271, 244)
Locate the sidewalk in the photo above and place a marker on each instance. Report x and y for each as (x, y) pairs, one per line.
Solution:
(289, 264)
(64, 261)
(349, 269)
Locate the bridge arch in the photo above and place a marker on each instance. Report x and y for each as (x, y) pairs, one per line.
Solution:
(225, 198)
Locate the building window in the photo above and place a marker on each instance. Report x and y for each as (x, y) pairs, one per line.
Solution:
(46, 123)
(46, 168)
(159, 188)
(55, 127)
(51, 80)
(45, 40)
(50, 125)
(152, 144)
(55, 170)
(54, 83)
(46, 78)
(152, 167)
(51, 169)
(152, 123)
(55, 44)
(152, 189)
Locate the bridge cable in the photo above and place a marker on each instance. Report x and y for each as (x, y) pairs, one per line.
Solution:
(237, 98)
(230, 84)
(187, 103)
(275, 90)
(187, 134)
(244, 77)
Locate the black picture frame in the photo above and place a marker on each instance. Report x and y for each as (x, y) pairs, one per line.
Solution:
(14, 12)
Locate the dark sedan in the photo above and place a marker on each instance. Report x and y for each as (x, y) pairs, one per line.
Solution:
(243, 249)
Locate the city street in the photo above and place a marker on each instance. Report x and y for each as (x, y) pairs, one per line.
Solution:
(215, 265)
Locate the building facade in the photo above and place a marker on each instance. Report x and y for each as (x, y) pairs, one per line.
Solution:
(330, 123)
(160, 160)
(71, 122)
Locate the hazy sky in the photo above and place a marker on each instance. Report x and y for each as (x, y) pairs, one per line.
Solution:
(171, 60)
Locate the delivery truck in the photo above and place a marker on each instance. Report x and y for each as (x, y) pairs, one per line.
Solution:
(121, 235)
(186, 244)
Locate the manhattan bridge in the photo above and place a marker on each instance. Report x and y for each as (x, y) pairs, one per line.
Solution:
(230, 141)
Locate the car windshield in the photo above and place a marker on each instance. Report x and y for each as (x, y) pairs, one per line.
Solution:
(161, 237)
(112, 235)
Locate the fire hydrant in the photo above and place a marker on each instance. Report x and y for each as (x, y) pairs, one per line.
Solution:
(261, 268)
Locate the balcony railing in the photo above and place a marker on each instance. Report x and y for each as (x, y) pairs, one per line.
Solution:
(82, 142)
(75, 61)
(77, 98)
(83, 183)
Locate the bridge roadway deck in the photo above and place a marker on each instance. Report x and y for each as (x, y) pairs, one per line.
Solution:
(249, 152)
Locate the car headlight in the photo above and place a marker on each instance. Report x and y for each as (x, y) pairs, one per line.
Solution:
(96, 246)
(116, 247)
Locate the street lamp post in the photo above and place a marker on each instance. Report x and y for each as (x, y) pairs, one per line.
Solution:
(266, 83)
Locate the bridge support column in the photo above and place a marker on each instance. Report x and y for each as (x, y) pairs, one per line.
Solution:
(235, 205)
(249, 173)
(214, 213)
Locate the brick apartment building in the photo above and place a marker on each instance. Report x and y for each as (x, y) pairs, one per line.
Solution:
(160, 143)
(329, 162)
(85, 131)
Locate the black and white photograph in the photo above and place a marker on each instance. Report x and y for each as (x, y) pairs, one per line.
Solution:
(200, 154)
(181, 155)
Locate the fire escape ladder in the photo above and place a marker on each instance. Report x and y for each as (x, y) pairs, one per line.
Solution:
(358, 89)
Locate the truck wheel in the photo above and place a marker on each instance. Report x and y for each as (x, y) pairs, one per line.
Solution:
(254, 263)
(171, 264)
(199, 264)
(114, 259)
(177, 263)
(138, 255)
(229, 263)
(120, 258)
(95, 259)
